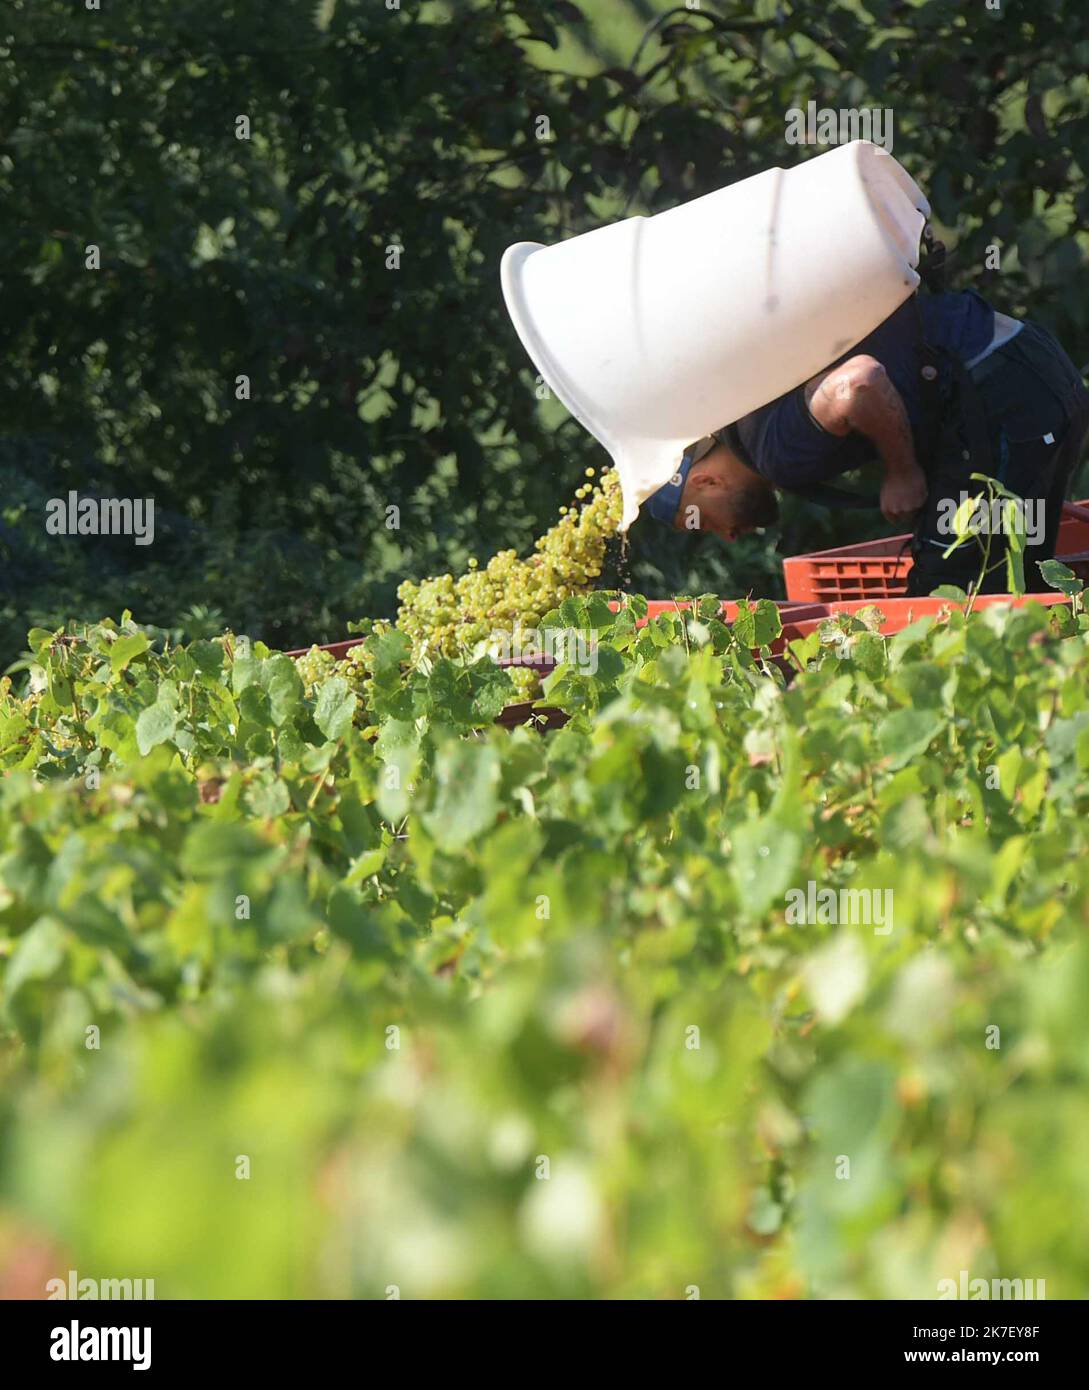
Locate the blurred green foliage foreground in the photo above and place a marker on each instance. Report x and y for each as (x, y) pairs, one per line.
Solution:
(462, 1012)
(269, 258)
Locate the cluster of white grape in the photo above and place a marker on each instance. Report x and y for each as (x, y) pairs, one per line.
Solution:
(507, 598)
(316, 666)
(511, 595)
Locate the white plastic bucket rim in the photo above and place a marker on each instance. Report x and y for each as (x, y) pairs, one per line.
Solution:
(511, 282)
(655, 331)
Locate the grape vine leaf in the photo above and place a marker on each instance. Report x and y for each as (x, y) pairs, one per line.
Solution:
(155, 725)
(335, 708)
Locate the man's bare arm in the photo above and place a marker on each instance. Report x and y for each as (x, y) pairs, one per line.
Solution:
(858, 395)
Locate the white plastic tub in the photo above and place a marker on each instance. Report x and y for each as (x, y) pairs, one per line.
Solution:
(654, 331)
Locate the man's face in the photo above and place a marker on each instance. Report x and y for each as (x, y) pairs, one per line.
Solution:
(730, 506)
(725, 496)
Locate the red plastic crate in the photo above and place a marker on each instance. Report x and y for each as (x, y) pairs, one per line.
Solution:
(879, 569)
(900, 612)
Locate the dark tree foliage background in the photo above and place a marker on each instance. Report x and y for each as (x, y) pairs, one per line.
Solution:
(417, 126)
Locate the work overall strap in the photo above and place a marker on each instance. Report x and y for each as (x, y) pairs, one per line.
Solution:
(964, 407)
(929, 358)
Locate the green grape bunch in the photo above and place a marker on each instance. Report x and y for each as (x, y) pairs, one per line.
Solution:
(510, 595)
(316, 666)
(507, 599)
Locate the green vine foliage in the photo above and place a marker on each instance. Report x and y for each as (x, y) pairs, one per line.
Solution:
(491, 1013)
(399, 958)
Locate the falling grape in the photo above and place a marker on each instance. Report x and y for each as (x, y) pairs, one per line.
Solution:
(505, 598)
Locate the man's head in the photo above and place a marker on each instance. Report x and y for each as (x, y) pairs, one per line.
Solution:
(724, 495)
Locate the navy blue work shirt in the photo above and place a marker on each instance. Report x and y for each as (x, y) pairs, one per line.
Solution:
(786, 445)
